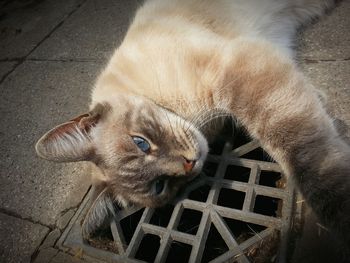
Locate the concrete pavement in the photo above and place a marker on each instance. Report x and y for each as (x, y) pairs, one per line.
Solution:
(50, 53)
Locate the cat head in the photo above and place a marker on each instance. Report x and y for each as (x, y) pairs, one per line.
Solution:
(144, 152)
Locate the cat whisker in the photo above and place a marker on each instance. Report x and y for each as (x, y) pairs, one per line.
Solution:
(214, 116)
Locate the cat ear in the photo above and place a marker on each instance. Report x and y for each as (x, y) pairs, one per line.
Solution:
(70, 141)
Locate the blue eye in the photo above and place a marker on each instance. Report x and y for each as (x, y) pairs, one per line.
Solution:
(158, 186)
(141, 143)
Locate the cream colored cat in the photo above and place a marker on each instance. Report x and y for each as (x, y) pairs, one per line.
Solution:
(183, 63)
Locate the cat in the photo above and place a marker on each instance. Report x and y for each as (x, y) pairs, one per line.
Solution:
(182, 66)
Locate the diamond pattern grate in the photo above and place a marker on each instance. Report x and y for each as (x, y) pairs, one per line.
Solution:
(238, 205)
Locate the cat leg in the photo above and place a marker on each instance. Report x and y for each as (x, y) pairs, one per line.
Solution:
(99, 213)
(265, 91)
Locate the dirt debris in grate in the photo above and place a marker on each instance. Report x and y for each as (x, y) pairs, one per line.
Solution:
(238, 210)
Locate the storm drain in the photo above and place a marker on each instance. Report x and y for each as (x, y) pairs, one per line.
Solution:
(238, 210)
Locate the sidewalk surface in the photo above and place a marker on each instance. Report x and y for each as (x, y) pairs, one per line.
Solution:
(50, 53)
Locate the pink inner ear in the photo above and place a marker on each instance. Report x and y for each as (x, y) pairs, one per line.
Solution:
(84, 122)
(87, 121)
(66, 128)
(77, 119)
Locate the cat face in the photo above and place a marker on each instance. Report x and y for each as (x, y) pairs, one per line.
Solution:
(144, 152)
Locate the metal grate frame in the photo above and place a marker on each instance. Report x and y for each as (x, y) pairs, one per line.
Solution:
(212, 214)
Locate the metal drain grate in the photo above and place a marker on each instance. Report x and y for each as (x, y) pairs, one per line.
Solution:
(239, 210)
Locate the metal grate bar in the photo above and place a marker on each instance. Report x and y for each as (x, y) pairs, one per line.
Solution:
(250, 163)
(269, 191)
(167, 239)
(202, 235)
(246, 148)
(223, 229)
(118, 236)
(195, 205)
(175, 218)
(231, 254)
(163, 249)
(248, 217)
(249, 199)
(244, 187)
(136, 239)
(215, 190)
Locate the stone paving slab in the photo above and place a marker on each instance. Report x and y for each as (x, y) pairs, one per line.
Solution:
(92, 33)
(333, 78)
(328, 38)
(46, 255)
(19, 239)
(77, 257)
(324, 53)
(33, 99)
(23, 24)
(52, 255)
(6, 67)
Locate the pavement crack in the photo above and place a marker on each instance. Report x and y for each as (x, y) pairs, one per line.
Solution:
(76, 205)
(49, 259)
(11, 59)
(66, 60)
(59, 24)
(29, 219)
(37, 250)
(311, 61)
(64, 211)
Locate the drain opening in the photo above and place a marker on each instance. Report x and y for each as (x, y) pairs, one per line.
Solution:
(242, 231)
(214, 246)
(179, 252)
(161, 216)
(268, 206)
(217, 146)
(258, 154)
(237, 173)
(241, 138)
(269, 178)
(210, 168)
(148, 248)
(200, 194)
(129, 224)
(189, 221)
(231, 198)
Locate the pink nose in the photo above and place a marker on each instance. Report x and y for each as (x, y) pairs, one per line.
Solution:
(188, 165)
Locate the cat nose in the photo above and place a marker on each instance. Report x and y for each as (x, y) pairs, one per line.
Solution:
(188, 165)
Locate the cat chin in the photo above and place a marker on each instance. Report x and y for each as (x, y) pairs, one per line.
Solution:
(203, 147)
